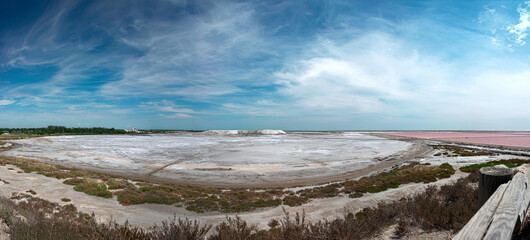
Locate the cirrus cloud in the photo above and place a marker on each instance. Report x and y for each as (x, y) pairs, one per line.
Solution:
(6, 102)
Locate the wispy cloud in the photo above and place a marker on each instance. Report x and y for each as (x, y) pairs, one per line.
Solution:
(262, 110)
(198, 58)
(6, 102)
(520, 30)
(505, 30)
(290, 61)
(169, 109)
(176, 115)
(367, 74)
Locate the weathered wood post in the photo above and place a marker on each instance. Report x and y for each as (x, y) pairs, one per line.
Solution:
(490, 178)
(503, 213)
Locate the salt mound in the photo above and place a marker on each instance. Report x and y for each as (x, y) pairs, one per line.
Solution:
(270, 132)
(6, 145)
(244, 132)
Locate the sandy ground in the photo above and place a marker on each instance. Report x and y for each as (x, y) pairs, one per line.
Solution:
(146, 215)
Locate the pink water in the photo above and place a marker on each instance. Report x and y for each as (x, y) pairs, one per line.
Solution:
(503, 141)
(516, 139)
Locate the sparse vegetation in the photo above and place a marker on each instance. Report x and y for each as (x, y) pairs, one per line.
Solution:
(412, 173)
(36, 218)
(202, 199)
(116, 183)
(446, 208)
(90, 186)
(511, 163)
(66, 199)
(456, 151)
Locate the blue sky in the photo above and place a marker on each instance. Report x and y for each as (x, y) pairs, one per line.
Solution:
(314, 65)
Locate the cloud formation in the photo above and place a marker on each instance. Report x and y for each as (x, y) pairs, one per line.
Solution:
(520, 30)
(6, 102)
(288, 64)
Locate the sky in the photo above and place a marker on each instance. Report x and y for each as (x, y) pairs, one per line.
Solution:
(293, 65)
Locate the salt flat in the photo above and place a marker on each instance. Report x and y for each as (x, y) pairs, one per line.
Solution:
(218, 159)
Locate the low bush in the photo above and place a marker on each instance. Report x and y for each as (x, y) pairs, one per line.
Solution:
(39, 219)
(455, 151)
(414, 172)
(511, 163)
(131, 196)
(448, 208)
(293, 201)
(114, 184)
(90, 186)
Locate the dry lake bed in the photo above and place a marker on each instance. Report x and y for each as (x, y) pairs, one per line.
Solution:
(294, 158)
(230, 160)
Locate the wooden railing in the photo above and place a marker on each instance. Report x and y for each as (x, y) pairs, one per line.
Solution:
(503, 213)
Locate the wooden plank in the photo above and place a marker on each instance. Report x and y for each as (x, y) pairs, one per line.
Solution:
(479, 223)
(507, 213)
(524, 206)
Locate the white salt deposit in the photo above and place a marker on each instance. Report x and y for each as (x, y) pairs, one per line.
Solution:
(244, 132)
(5, 145)
(217, 158)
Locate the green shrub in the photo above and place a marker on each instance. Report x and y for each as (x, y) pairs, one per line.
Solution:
(414, 172)
(294, 201)
(118, 184)
(511, 163)
(90, 186)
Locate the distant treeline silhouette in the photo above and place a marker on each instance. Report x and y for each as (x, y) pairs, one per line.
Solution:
(53, 130)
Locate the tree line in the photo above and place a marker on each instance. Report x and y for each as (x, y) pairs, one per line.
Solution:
(55, 130)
